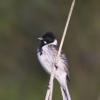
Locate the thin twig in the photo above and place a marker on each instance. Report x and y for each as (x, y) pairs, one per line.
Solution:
(50, 87)
(66, 27)
(50, 90)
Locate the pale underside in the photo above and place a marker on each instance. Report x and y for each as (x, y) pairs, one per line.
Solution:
(49, 60)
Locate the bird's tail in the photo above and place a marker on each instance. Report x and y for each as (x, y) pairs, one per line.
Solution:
(65, 92)
(63, 86)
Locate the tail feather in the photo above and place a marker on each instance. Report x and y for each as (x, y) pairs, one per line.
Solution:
(65, 93)
(63, 85)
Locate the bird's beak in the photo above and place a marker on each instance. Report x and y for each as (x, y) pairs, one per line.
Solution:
(40, 38)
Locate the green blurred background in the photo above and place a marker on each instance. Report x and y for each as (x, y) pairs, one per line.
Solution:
(22, 21)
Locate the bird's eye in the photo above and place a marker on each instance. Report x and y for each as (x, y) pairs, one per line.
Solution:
(45, 42)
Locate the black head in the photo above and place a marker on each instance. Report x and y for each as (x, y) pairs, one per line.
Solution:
(47, 38)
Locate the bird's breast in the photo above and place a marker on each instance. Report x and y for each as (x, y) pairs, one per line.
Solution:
(49, 57)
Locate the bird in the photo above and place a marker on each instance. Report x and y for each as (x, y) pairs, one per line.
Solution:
(47, 56)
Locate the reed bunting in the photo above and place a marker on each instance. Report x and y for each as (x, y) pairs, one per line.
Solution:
(47, 56)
